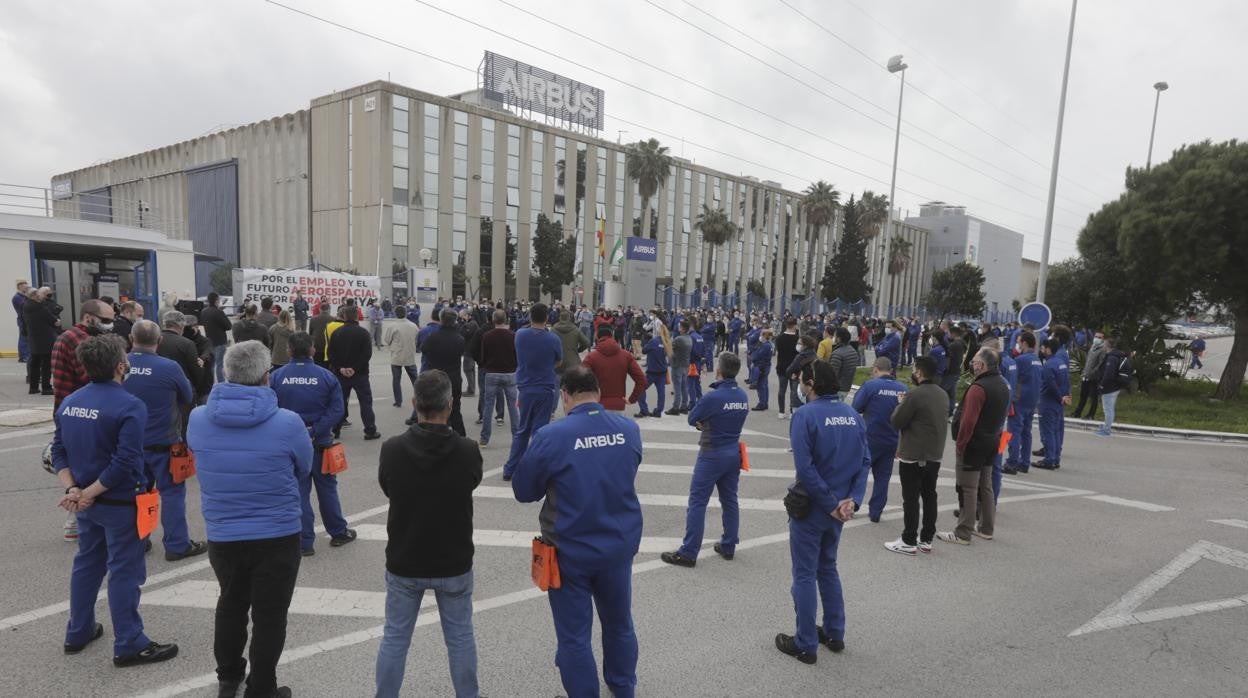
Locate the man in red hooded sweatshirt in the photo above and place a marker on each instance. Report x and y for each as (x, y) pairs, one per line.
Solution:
(611, 365)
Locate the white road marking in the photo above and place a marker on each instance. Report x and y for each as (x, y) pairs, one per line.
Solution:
(46, 431)
(492, 538)
(688, 470)
(311, 601)
(21, 448)
(661, 500)
(653, 446)
(361, 636)
(1123, 612)
(1146, 506)
(1237, 523)
(678, 424)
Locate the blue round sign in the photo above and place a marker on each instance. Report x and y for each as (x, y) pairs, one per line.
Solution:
(1038, 314)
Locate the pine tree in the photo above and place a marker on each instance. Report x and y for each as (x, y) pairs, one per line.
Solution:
(845, 276)
(554, 256)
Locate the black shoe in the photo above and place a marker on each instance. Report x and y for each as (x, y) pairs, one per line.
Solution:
(409, 422)
(1039, 452)
(33, 391)
(479, 421)
(75, 649)
(656, 414)
(1009, 471)
(308, 552)
(720, 549)
(499, 421)
(506, 477)
(684, 410)
(345, 423)
(1044, 466)
(837, 646)
(874, 519)
(282, 692)
(957, 513)
(154, 652)
(195, 548)
(147, 545)
(1076, 416)
(398, 404)
(372, 436)
(337, 434)
(673, 412)
(339, 541)
(786, 644)
(758, 408)
(641, 415)
(47, 392)
(229, 689)
(675, 558)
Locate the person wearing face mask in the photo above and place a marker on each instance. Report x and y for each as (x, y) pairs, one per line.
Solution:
(890, 347)
(1024, 400)
(1054, 395)
(1089, 383)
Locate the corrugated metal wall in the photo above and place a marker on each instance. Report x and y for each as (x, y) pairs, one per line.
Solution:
(212, 210)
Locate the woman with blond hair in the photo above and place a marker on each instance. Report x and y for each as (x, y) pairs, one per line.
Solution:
(279, 338)
(657, 351)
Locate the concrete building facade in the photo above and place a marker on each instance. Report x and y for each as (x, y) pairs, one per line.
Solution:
(956, 237)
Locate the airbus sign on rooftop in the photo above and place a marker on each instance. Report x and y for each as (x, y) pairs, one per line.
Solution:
(521, 85)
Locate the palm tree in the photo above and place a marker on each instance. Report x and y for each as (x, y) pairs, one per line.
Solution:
(717, 229)
(649, 165)
(898, 262)
(820, 201)
(873, 215)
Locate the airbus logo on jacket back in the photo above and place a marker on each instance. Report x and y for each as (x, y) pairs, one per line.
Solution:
(299, 380)
(80, 412)
(599, 441)
(840, 422)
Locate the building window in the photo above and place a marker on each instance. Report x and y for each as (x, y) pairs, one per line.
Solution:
(430, 197)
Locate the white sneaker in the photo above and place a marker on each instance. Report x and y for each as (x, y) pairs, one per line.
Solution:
(951, 537)
(925, 546)
(900, 546)
(978, 534)
(782, 416)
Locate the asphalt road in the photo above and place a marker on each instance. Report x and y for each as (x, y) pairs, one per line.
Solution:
(1120, 548)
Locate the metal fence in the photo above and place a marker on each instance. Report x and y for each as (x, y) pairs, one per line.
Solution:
(108, 208)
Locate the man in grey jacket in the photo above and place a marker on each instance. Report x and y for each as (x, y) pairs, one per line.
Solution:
(1089, 388)
(921, 418)
(844, 361)
(682, 347)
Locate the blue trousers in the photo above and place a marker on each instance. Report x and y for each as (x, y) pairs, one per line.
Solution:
(763, 384)
(659, 381)
(1052, 430)
(753, 374)
(403, 598)
(108, 541)
(218, 361)
(909, 355)
(536, 406)
(23, 347)
(1020, 443)
(680, 388)
(694, 389)
(174, 536)
(608, 586)
(326, 498)
(718, 469)
(734, 344)
(881, 473)
(812, 547)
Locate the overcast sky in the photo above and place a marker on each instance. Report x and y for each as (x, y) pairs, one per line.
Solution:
(84, 81)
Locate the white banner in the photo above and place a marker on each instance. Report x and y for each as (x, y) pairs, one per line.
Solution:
(281, 286)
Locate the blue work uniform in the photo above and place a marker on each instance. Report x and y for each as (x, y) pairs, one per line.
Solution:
(941, 356)
(99, 436)
(751, 343)
(913, 333)
(1009, 371)
(431, 327)
(538, 351)
(313, 393)
(890, 348)
(585, 466)
(876, 400)
(163, 387)
(1025, 399)
(760, 361)
(656, 375)
(832, 460)
(697, 357)
(708, 354)
(1054, 385)
(720, 416)
(734, 334)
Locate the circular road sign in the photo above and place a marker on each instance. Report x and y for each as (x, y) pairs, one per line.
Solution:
(1038, 314)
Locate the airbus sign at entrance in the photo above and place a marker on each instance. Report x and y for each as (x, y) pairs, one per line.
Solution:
(521, 85)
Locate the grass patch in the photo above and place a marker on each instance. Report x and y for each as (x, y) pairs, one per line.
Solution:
(1176, 403)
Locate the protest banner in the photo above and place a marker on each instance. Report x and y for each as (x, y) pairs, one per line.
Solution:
(253, 284)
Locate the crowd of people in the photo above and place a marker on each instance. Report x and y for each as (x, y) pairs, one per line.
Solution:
(259, 402)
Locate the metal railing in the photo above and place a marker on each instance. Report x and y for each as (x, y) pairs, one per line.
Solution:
(39, 201)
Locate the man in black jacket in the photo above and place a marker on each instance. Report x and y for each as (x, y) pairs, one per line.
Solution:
(216, 326)
(350, 349)
(248, 328)
(977, 425)
(183, 351)
(444, 350)
(431, 472)
(42, 327)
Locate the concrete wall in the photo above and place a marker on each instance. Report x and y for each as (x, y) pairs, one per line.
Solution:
(998, 251)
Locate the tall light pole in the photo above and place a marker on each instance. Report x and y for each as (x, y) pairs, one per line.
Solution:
(1160, 87)
(1057, 152)
(895, 65)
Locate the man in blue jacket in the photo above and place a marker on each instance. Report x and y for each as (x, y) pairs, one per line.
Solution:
(831, 458)
(734, 333)
(312, 393)
(890, 347)
(585, 466)
(1025, 398)
(876, 400)
(538, 351)
(251, 456)
(164, 389)
(760, 359)
(752, 338)
(1054, 396)
(708, 337)
(720, 416)
(913, 334)
(97, 453)
(697, 359)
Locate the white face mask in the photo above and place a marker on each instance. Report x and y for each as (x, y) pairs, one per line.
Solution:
(1096, 341)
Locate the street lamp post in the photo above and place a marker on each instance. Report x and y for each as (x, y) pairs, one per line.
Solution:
(425, 255)
(1160, 87)
(895, 65)
(1057, 152)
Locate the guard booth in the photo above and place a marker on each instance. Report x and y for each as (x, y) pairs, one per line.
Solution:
(80, 260)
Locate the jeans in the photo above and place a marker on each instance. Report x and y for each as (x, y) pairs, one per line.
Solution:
(609, 586)
(396, 379)
(499, 388)
(326, 498)
(659, 381)
(1110, 402)
(256, 576)
(301, 323)
(375, 328)
(218, 361)
(719, 469)
(403, 598)
(108, 542)
(918, 483)
(174, 536)
(813, 543)
(680, 388)
(536, 407)
(364, 391)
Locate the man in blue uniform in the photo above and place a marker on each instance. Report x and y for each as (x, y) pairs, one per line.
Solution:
(734, 333)
(752, 338)
(1025, 398)
(913, 334)
(164, 389)
(876, 400)
(312, 393)
(832, 461)
(720, 416)
(760, 358)
(890, 347)
(538, 351)
(708, 352)
(585, 466)
(697, 359)
(97, 453)
(1054, 396)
